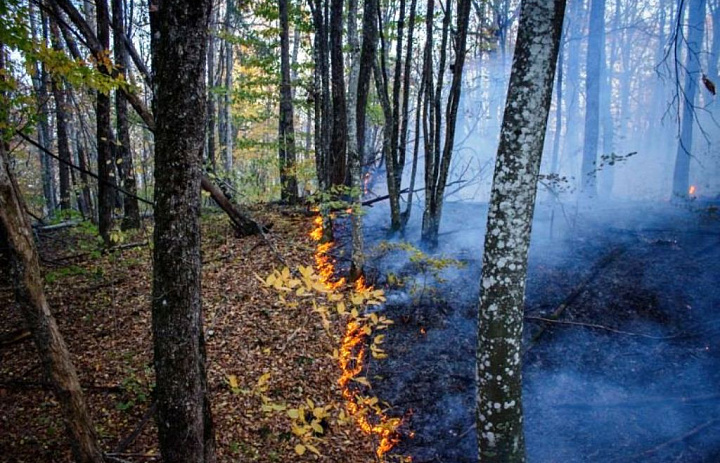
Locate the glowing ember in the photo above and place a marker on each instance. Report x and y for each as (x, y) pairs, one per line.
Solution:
(351, 356)
(423, 331)
(691, 190)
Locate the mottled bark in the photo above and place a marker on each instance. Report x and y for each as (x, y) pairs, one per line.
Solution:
(696, 28)
(179, 31)
(507, 240)
(211, 117)
(125, 164)
(30, 296)
(286, 126)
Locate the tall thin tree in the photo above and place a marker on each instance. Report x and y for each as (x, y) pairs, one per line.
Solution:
(286, 125)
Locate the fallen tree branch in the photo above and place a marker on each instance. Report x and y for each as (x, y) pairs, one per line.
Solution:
(126, 442)
(579, 289)
(596, 326)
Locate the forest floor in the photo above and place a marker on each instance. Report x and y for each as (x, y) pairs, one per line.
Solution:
(268, 358)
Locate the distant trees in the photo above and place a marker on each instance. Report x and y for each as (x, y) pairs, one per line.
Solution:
(507, 240)
(179, 45)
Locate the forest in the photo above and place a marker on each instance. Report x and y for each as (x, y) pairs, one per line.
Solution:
(349, 231)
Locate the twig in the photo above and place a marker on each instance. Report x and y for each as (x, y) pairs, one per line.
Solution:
(125, 443)
(596, 326)
(579, 289)
(674, 440)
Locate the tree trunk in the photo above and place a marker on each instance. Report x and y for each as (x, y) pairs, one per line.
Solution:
(227, 141)
(179, 31)
(61, 125)
(504, 268)
(39, 81)
(30, 296)
(594, 67)
(286, 129)
(357, 263)
(338, 159)
(404, 118)
(210, 158)
(696, 27)
(126, 168)
(106, 167)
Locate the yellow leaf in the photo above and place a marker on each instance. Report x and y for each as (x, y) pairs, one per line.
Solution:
(232, 379)
(310, 403)
(293, 413)
(263, 379)
(379, 339)
(312, 449)
(362, 380)
(341, 308)
(300, 449)
(316, 427)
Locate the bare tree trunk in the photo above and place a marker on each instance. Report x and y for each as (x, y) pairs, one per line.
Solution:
(210, 159)
(106, 167)
(338, 142)
(61, 125)
(126, 168)
(30, 296)
(500, 321)
(696, 26)
(39, 81)
(179, 31)
(596, 42)
(357, 263)
(227, 103)
(286, 126)
(404, 120)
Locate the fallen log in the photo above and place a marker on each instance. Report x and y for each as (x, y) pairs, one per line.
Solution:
(244, 226)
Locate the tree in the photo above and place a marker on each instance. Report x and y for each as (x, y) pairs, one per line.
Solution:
(180, 37)
(61, 125)
(105, 161)
(286, 129)
(437, 160)
(15, 229)
(595, 69)
(696, 27)
(507, 239)
(126, 171)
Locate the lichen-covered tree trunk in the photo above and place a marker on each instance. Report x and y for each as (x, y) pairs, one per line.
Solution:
(30, 296)
(179, 31)
(507, 239)
(126, 169)
(286, 125)
(696, 28)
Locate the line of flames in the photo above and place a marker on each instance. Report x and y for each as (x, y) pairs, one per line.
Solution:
(352, 353)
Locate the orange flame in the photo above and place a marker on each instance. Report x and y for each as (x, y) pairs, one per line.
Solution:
(351, 356)
(691, 190)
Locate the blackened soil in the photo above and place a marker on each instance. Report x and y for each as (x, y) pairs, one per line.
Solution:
(640, 385)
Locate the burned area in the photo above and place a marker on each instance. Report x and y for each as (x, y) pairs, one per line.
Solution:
(621, 360)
